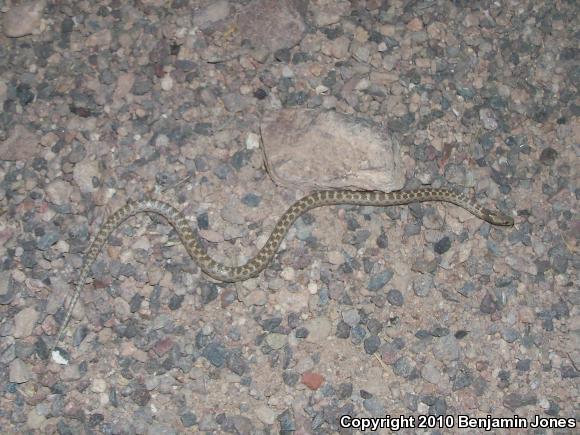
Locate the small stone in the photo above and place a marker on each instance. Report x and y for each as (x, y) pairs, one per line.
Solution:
(343, 329)
(21, 144)
(213, 13)
(371, 344)
(251, 200)
(215, 353)
(23, 19)
(395, 297)
(548, 156)
(188, 419)
(19, 371)
(423, 284)
(344, 391)
(276, 341)
(252, 141)
(517, 400)
(141, 396)
(265, 414)
(312, 380)
(24, 322)
(351, 317)
(379, 280)
(290, 378)
(141, 86)
(374, 406)
(287, 422)
(415, 24)
(443, 245)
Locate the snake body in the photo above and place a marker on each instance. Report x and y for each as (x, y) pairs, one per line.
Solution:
(259, 262)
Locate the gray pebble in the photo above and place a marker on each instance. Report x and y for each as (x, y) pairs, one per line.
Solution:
(403, 367)
(374, 406)
(357, 334)
(287, 422)
(517, 400)
(342, 329)
(443, 245)
(371, 344)
(251, 200)
(290, 378)
(548, 156)
(395, 297)
(351, 317)
(379, 280)
(188, 419)
(141, 86)
(510, 335)
(216, 354)
(423, 284)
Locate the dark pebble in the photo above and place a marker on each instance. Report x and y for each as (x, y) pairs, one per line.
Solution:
(382, 241)
(395, 297)
(141, 86)
(523, 365)
(342, 329)
(290, 378)
(96, 419)
(24, 94)
(554, 408)
(569, 372)
(271, 324)
(251, 200)
(208, 292)
(203, 128)
(135, 302)
(286, 420)
(203, 221)
(467, 289)
(488, 305)
(141, 396)
(260, 94)
(237, 363)
(403, 367)
(439, 407)
(175, 302)
(374, 326)
(371, 344)
(379, 280)
(67, 25)
(423, 334)
(463, 379)
(344, 391)
(303, 333)
(440, 331)
(443, 245)
(201, 164)
(282, 55)
(216, 354)
(517, 400)
(188, 419)
(357, 334)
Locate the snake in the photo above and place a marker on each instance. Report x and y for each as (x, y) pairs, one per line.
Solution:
(260, 261)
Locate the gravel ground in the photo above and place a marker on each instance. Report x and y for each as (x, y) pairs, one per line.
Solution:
(418, 310)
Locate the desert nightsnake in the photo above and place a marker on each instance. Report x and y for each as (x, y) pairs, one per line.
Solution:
(259, 262)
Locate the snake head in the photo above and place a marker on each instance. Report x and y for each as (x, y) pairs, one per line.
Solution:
(498, 218)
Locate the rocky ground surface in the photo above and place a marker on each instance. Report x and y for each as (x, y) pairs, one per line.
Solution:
(364, 311)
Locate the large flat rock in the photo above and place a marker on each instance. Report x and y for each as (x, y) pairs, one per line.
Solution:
(309, 150)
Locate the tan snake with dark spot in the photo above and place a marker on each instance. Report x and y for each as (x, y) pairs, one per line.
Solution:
(257, 264)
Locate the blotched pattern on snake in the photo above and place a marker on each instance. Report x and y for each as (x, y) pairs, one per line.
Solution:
(254, 266)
